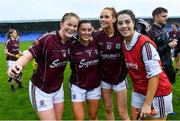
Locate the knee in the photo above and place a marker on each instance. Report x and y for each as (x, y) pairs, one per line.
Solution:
(92, 116)
(109, 109)
(123, 114)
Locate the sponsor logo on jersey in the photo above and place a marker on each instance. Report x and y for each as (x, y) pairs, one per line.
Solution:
(110, 56)
(132, 65)
(84, 63)
(58, 63)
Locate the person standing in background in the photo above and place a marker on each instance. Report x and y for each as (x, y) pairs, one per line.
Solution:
(175, 34)
(52, 53)
(158, 34)
(142, 26)
(13, 53)
(112, 65)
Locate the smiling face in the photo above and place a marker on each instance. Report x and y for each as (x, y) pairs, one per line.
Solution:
(85, 31)
(125, 26)
(106, 19)
(69, 27)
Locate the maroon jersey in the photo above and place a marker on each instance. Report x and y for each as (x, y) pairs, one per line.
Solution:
(137, 71)
(112, 64)
(13, 48)
(175, 35)
(84, 65)
(52, 56)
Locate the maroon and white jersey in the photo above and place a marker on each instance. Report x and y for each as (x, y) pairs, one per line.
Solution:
(13, 47)
(112, 64)
(52, 57)
(84, 65)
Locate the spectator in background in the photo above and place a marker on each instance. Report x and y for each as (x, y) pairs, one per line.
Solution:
(142, 26)
(175, 34)
(151, 95)
(85, 76)
(158, 34)
(51, 52)
(112, 65)
(13, 53)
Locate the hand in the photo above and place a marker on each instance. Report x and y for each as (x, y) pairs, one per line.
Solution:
(145, 111)
(173, 43)
(14, 71)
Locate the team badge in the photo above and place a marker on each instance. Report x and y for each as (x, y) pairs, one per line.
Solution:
(118, 46)
(42, 103)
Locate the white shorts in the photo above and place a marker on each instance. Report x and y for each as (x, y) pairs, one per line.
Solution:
(162, 104)
(80, 95)
(42, 101)
(119, 87)
(10, 62)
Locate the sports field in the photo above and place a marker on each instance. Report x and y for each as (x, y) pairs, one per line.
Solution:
(16, 105)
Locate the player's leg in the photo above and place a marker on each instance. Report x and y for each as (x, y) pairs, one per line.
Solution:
(77, 100)
(58, 101)
(121, 99)
(78, 110)
(122, 104)
(59, 108)
(10, 80)
(93, 97)
(42, 102)
(106, 90)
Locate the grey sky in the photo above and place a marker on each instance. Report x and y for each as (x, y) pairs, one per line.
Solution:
(55, 9)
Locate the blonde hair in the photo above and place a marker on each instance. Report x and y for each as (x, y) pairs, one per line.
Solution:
(112, 9)
(69, 15)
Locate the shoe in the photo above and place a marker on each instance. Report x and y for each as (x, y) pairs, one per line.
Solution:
(12, 88)
(20, 86)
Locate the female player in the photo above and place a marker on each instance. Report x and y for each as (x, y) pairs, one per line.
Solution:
(85, 77)
(112, 64)
(151, 87)
(51, 52)
(13, 53)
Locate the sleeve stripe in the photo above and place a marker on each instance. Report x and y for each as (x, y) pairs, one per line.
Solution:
(148, 50)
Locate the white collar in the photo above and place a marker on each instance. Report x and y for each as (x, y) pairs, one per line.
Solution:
(133, 40)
